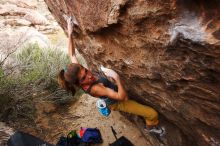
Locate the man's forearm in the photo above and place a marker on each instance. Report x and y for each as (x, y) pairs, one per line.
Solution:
(121, 91)
(71, 50)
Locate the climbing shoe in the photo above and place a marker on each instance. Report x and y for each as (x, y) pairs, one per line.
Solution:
(155, 130)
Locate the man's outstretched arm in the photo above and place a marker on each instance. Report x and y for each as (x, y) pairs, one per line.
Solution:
(71, 47)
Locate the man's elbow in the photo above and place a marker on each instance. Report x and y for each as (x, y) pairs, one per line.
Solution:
(123, 98)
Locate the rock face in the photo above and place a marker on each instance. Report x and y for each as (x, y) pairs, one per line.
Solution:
(18, 13)
(167, 52)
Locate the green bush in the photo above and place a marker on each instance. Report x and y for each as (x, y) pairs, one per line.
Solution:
(35, 76)
(40, 66)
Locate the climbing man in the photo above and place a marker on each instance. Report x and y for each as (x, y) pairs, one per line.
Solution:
(111, 93)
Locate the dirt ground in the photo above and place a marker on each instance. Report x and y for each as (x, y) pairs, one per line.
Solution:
(53, 121)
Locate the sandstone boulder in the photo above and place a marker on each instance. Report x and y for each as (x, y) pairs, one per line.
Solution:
(36, 18)
(11, 39)
(30, 4)
(17, 22)
(10, 9)
(28, 14)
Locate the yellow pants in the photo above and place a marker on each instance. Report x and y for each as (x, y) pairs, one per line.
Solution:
(131, 106)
